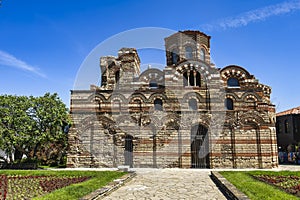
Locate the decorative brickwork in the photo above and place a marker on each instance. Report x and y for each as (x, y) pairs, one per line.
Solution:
(189, 115)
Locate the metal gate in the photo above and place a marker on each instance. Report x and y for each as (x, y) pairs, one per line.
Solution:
(199, 147)
(128, 154)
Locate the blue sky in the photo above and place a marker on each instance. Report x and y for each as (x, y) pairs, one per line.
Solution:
(43, 43)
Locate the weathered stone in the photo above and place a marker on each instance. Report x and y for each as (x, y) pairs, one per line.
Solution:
(175, 117)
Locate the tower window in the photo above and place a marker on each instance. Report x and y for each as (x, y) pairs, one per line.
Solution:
(103, 80)
(193, 104)
(158, 104)
(174, 56)
(229, 104)
(188, 52)
(117, 77)
(202, 54)
(233, 82)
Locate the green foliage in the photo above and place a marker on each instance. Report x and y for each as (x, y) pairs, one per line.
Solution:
(255, 189)
(32, 124)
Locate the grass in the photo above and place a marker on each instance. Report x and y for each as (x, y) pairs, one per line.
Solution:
(74, 191)
(257, 190)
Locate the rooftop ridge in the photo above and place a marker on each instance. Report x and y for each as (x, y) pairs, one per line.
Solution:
(291, 111)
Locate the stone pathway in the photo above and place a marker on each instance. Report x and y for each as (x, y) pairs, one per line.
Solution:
(167, 184)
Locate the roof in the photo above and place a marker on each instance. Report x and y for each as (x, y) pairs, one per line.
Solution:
(292, 111)
(193, 32)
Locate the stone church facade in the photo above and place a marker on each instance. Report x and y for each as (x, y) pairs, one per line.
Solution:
(188, 115)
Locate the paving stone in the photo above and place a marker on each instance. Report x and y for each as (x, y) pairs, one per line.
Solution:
(156, 184)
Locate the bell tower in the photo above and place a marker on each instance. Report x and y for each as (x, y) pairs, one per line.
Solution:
(187, 45)
(119, 70)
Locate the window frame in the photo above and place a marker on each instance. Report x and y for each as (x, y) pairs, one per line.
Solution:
(189, 78)
(174, 55)
(227, 105)
(202, 54)
(158, 106)
(188, 52)
(236, 80)
(193, 104)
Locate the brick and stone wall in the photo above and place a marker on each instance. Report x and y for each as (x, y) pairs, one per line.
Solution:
(175, 117)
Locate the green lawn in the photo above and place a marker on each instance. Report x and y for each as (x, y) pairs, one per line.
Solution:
(257, 190)
(74, 191)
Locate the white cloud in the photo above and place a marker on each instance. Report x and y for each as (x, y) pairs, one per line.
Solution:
(7, 59)
(255, 15)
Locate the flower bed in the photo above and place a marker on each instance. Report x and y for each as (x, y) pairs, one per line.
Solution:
(26, 187)
(289, 183)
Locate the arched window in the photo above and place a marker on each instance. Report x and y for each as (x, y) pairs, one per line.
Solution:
(198, 79)
(192, 79)
(117, 77)
(286, 126)
(229, 104)
(193, 104)
(185, 79)
(202, 54)
(174, 55)
(188, 52)
(233, 82)
(158, 104)
(153, 84)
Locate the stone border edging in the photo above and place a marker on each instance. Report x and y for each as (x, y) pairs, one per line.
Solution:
(227, 188)
(110, 187)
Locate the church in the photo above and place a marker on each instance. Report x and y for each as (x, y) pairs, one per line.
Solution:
(190, 114)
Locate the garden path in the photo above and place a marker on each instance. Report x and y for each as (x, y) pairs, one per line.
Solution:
(168, 184)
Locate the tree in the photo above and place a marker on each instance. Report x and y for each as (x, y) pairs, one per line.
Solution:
(30, 124)
(52, 119)
(16, 125)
